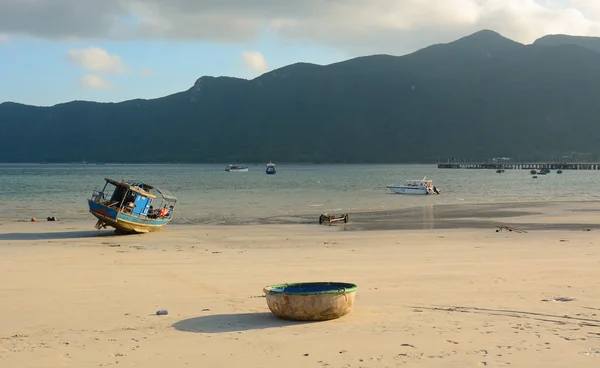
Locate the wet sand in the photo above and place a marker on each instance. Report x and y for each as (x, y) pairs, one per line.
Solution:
(524, 215)
(469, 296)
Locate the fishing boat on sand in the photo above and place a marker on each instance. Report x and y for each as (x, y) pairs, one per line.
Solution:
(131, 207)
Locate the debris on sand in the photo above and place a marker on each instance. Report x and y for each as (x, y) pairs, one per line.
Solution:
(501, 228)
(559, 299)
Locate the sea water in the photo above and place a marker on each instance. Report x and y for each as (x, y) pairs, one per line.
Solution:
(207, 193)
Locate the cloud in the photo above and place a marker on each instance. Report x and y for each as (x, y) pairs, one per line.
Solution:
(97, 60)
(147, 72)
(92, 81)
(255, 61)
(591, 7)
(4, 39)
(355, 26)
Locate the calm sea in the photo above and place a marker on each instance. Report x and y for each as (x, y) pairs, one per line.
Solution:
(207, 193)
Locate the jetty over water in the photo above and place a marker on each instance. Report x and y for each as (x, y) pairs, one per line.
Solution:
(520, 165)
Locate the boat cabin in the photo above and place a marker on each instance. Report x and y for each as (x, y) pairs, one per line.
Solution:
(134, 199)
(419, 183)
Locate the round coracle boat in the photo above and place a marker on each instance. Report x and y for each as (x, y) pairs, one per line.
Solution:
(311, 301)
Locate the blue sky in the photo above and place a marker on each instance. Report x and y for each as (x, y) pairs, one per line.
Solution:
(40, 72)
(56, 51)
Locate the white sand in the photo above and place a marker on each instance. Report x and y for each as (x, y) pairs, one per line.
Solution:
(452, 298)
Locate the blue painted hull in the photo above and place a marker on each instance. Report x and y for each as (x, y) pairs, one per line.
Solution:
(125, 222)
(271, 172)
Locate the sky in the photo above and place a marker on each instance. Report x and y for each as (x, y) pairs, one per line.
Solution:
(55, 51)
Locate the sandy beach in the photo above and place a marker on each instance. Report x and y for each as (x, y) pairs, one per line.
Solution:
(466, 296)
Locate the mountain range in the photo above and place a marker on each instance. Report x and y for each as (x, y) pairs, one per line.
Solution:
(478, 97)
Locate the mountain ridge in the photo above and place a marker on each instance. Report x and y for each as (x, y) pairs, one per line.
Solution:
(485, 34)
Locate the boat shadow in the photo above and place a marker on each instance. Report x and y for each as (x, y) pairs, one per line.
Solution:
(222, 323)
(56, 235)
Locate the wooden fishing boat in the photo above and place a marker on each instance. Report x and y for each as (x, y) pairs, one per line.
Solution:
(131, 207)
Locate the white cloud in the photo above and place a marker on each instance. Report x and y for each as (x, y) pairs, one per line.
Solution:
(590, 7)
(355, 26)
(92, 81)
(97, 60)
(147, 72)
(255, 61)
(4, 39)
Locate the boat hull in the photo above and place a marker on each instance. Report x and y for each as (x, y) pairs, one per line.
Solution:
(124, 222)
(237, 170)
(399, 189)
(270, 171)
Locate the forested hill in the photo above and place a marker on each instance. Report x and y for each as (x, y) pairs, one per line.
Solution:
(478, 97)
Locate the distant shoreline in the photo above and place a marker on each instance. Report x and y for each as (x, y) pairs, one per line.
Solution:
(212, 163)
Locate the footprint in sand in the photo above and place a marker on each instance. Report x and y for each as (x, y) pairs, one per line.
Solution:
(590, 352)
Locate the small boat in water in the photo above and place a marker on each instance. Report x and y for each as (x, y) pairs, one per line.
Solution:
(236, 168)
(414, 187)
(130, 207)
(544, 172)
(270, 168)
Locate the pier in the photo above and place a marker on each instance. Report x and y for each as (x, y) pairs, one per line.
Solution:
(520, 165)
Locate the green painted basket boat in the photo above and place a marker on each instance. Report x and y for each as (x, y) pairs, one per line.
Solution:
(311, 301)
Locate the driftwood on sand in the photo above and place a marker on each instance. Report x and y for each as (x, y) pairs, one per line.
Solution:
(326, 218)
(508, 228)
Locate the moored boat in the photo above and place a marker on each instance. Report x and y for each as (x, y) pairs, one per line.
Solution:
(270, 168)
(414, 187)
(236, 168)
(130, 207)
(544, 172)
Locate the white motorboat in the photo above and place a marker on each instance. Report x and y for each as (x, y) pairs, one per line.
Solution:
(414, 187)
(236, 168)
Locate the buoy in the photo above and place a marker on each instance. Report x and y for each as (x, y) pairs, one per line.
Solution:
(33, 219)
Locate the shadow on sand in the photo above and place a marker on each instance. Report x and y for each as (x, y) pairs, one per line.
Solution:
(219, 323)
(54, 235)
